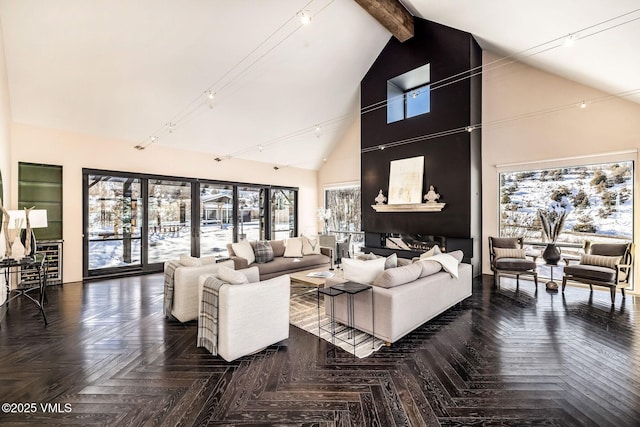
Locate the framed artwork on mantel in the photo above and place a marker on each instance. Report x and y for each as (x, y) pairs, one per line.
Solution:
(405, 180)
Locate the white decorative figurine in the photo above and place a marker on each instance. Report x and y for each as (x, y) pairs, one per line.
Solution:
(431, 195)
(380, 199)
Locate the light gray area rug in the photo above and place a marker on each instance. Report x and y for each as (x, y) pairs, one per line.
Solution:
(303, 314)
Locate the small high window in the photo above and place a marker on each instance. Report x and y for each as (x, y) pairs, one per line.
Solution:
(409, 94)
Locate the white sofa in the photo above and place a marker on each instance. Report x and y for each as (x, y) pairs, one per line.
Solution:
(251, 316)
(401, 309)
(185, 288)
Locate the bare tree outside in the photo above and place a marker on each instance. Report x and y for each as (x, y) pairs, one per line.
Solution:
(346, 213)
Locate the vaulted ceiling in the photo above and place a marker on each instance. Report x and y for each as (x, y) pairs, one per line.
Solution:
(284, 93)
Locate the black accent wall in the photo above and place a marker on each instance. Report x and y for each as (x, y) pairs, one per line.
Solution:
(452, 162)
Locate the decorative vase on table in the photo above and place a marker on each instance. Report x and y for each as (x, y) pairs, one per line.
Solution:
(551, 254)
(17, 249)
(552, 223)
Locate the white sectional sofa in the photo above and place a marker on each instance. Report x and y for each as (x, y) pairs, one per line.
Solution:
(406, 301)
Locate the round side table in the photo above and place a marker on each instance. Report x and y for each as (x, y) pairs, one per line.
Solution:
(551, 284)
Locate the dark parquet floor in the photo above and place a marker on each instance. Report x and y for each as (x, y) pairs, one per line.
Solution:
(504, 357)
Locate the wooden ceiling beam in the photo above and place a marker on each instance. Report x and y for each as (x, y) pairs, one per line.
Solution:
(392, 15)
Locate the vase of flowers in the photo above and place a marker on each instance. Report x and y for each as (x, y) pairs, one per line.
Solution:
(324, 215)
(552, 223)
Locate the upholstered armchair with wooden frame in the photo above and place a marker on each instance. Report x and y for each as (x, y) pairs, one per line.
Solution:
(602, 264)
(507, 256)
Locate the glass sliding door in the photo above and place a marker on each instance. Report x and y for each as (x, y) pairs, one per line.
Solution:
(251, 223)
(169, 220)
(216, 219)
(283, 213)
(114, 219)
(133, 223)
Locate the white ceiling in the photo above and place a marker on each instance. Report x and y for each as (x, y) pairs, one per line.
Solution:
(124, 69)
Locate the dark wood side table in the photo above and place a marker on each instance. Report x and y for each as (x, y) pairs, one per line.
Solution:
(38, 262)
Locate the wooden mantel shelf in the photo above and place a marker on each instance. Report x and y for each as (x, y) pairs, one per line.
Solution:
(409, 207)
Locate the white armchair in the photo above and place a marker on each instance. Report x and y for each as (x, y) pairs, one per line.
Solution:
(251, 316)
(185, 288)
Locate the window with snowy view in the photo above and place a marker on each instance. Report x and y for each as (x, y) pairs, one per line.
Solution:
(598, 199)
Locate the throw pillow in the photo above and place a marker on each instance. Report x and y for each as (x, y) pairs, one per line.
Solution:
(428, 267)
(391, 262)
(508, 253)
(293, 248)
(600, 260)
(189, 261)
(278, 247)
(431, 252)
(244, 250)
(263, 252)
(404, 261)
(364, 272)
(367, 257)
(206, 260)
(398, 276)
(310, 245)
(231, 276)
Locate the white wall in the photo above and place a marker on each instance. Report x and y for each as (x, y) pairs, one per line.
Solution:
(343, 164)
(74, 151)
(5, 144)
(609, 126)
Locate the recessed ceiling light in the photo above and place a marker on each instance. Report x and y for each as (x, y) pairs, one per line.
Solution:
(304, 16)
(570, 40)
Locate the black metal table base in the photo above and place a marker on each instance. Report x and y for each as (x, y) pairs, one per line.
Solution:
(39, 263)
(351, 289)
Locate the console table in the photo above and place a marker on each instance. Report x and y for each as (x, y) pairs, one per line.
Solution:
(39, 263)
